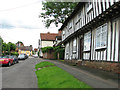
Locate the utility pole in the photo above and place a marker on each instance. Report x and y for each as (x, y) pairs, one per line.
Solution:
(18, 46)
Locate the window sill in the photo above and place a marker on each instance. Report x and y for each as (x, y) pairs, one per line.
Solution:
(100, 48)
(74, 52)
(86, 51)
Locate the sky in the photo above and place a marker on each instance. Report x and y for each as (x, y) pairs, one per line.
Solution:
(19, 21)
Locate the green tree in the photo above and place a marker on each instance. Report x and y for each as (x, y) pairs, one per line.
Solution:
(4, 48)
(11, 46)
(56, 12)
(8, 47)
(19, 42)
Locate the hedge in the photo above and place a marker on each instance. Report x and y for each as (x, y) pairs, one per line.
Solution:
(57, 50)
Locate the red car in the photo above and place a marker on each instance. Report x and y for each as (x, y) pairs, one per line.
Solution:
(5, 60)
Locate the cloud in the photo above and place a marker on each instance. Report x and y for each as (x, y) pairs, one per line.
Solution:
(22, 24)
(4, 24)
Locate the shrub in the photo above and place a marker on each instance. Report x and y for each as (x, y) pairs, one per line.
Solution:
(14, 53)
(57, 50)
(46, 49)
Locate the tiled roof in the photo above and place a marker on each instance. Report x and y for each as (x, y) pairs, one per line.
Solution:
(48, 36)
(26, 48)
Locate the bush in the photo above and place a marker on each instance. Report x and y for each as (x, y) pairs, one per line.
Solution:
(14, 53)
(57, 50)
(46, 49)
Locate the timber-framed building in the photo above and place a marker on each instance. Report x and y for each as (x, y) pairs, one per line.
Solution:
(91, 34)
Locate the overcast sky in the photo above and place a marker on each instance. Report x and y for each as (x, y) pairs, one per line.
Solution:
(19, 21)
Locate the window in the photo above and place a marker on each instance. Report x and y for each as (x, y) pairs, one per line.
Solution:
(74, 45)
(63, 33)
(89, 6)
(87, 41)
(101, 36)
(69, 25)
(78, 18)
(67, 48)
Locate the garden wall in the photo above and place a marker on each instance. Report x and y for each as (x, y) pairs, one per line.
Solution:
(106, 66)
(49, 55)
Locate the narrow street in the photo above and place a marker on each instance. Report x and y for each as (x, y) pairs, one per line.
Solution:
(21, 75)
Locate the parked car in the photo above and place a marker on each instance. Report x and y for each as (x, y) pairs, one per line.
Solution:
(15, 59)
(5, 60)
(26, 56)
(21, 57)
(35, 56)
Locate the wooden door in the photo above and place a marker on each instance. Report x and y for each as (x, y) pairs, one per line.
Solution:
(81, 48)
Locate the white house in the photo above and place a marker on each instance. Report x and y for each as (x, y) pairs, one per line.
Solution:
(46, 39)
(92, 33)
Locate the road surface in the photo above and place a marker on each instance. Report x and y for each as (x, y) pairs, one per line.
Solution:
(21, 75)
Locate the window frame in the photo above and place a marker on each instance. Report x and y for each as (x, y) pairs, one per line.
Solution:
(69, 25)
(101, 33)
(63, 33)
(74, 45)
(87, 38)
(89, 7)
(79, 17)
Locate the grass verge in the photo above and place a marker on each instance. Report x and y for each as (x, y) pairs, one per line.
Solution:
(43, 64)
(55, 77)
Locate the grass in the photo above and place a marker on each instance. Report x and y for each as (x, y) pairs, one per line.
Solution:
(55, 77)
(43, 64)
(62, 60)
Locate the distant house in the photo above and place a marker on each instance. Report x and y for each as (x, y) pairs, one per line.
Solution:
(26, 50)
(46, 39)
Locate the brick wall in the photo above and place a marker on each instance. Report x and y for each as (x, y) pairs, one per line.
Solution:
(49, 55)
(106, 66)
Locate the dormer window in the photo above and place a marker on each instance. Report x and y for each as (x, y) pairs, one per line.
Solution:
(79, 16)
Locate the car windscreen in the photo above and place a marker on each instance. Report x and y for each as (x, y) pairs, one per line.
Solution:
(11, 57)
(22, 55)
(5, 57)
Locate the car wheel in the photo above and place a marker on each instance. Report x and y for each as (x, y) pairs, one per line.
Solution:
(15, 62)
(9, 64)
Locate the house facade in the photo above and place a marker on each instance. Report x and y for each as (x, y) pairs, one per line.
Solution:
(91, 34)
(46, 39)
(25, 50)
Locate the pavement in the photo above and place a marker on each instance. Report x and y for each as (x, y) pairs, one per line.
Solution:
(93, 77)
(21, 75)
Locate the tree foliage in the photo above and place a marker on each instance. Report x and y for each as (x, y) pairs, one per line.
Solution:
(59, 50)
(8, 47)
(56, 12)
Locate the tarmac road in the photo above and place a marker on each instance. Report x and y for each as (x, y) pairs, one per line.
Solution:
(21, 75)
